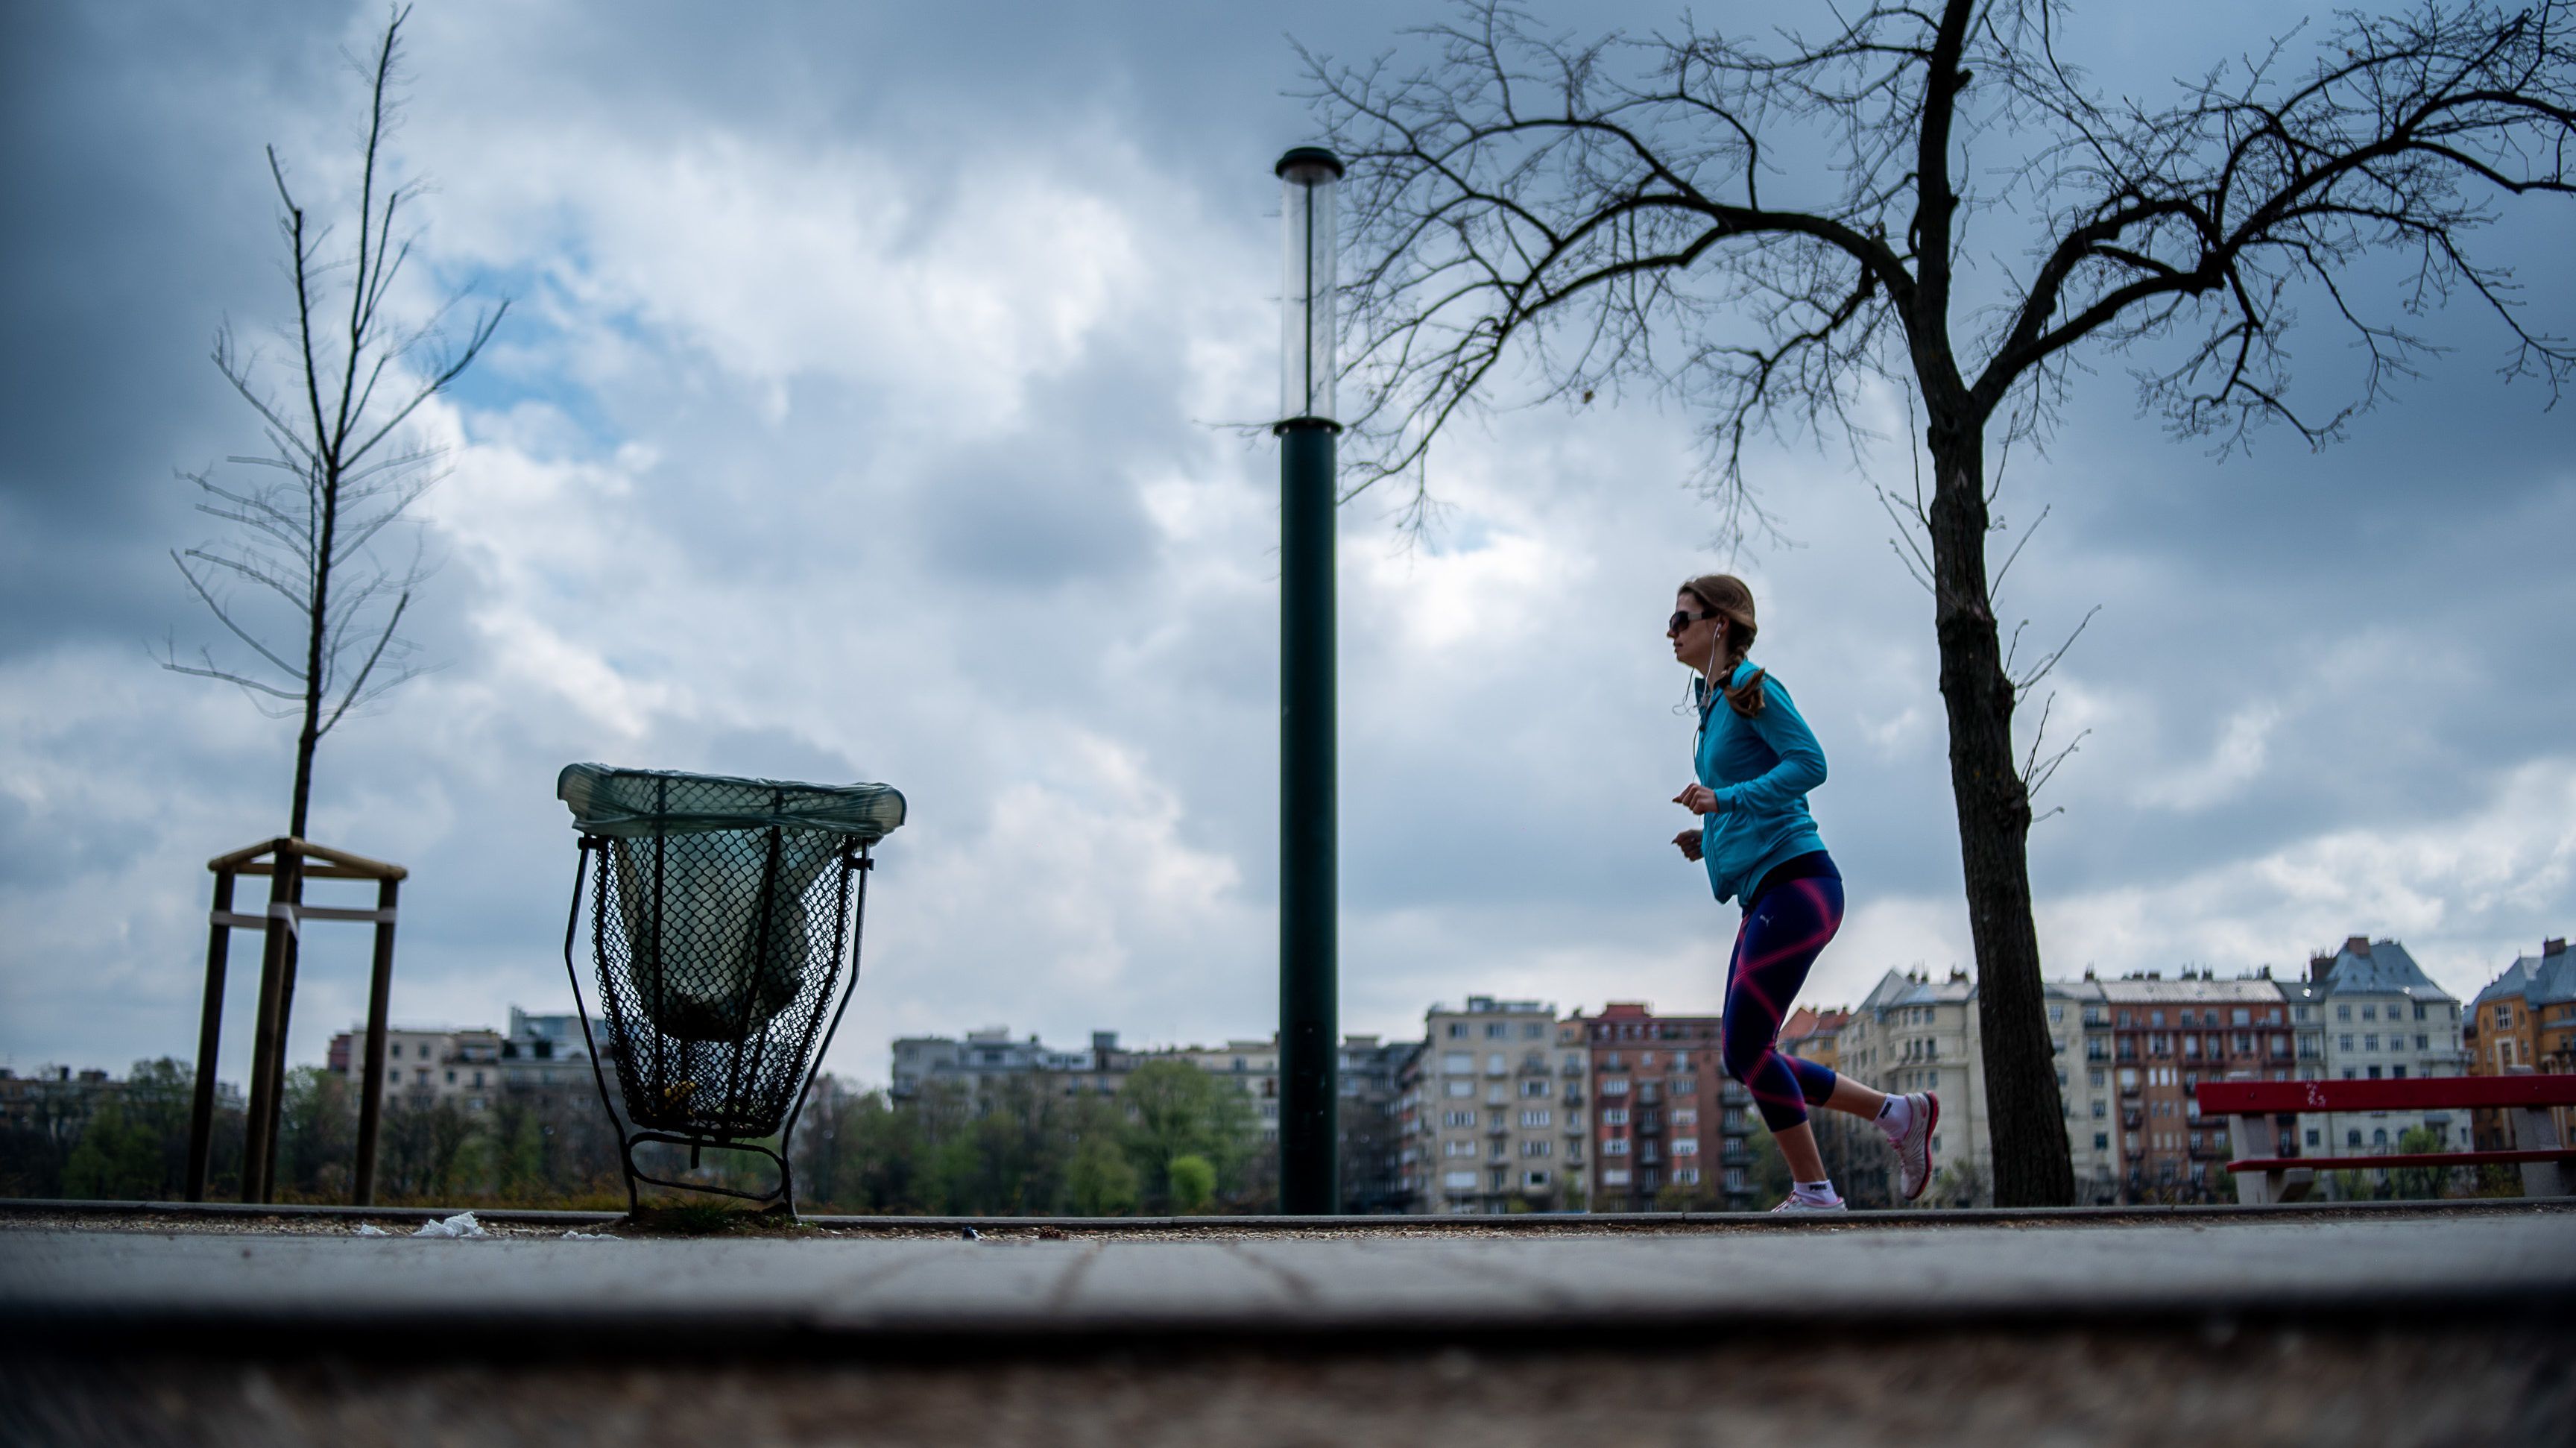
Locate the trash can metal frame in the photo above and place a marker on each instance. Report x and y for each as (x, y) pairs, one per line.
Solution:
(849, 913)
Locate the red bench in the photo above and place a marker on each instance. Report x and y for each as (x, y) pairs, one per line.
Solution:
(2269, 1172)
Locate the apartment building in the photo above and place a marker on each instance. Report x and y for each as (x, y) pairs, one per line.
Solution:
(2372, 1014)
(426, 1067)
(2167, 1037)
(1253, 1066)
(1813, 1035)
(545, 1060)
(2079, 1034)
(1485, 1113)
(1667, 1123)
(1371, 1137)
(2525, 1020)
(1913, 1032)
(987, 1059)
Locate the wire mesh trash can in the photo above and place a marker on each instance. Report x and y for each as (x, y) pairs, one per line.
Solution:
(722, 913)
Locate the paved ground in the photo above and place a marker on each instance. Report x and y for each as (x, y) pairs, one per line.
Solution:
(2436, 1327)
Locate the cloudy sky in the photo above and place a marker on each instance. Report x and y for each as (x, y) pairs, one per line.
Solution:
(860, 414)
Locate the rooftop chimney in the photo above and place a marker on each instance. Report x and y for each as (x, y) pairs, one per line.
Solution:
(2357, 944)
(2554, 947)
(2320, 966)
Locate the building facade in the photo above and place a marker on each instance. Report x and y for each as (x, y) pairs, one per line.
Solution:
(425, 1068)
(2079, 1036)
(1371, 1138)
(989, 1059)
(2167, 1037)
(2374, 1015)
(1486, 1104)
(2525, 1020)
(1916, 1033)
(1669, 1129)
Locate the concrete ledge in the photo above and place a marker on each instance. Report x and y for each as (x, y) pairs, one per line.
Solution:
(1537, 1223)
(875, 1293)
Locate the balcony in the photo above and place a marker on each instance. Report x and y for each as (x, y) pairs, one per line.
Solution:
(1573, 1096)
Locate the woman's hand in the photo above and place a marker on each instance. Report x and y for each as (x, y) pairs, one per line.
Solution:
(1698, 799)
(1688, 843)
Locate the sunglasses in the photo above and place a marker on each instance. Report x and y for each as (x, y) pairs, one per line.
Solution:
(1680, 621)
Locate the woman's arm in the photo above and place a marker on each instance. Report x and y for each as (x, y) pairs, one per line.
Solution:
(1801, 765)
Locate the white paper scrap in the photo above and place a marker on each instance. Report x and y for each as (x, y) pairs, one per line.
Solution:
(460, 1225)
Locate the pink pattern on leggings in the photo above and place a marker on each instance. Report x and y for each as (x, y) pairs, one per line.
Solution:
(1779, 940)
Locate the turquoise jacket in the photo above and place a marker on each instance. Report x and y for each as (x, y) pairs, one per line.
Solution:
(1761, 769)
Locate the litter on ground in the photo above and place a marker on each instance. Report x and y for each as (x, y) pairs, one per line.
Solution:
(460, 1225)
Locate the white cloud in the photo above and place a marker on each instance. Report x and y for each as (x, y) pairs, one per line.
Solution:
(2236, 760)
(2461, 892)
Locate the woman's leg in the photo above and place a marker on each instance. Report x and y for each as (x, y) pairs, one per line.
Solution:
(1855, 1099)
(1774, 948)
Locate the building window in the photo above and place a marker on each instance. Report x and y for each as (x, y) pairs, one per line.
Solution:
(2343, 1043)
(1615, 1146)
(1537, 1118)
(1614, 1085)
(2343, 1013)
(1686, 1146)
(1457, 1063)
(1458, 1086)
(1531, 1032)
(1497, 1031)
(1614, 1116)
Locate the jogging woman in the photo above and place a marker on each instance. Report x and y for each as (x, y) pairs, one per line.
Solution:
(1756, 761)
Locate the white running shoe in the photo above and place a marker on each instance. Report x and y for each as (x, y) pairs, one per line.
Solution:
(1796, 1203)
(1914, 1145)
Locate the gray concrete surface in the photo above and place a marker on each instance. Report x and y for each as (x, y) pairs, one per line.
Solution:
(1272, 1284)
(2417, 1328)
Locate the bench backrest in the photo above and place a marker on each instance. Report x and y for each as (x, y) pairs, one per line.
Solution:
(2249, 1098)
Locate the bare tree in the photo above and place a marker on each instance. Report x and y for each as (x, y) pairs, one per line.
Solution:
(1762, 228)
(340, 469)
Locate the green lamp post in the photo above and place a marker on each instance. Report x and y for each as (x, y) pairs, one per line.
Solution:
(1309, 1011)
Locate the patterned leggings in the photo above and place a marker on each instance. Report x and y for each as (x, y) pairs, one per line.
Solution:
(1779, 939)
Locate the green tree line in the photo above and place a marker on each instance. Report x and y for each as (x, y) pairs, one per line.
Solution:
(1175, 1139)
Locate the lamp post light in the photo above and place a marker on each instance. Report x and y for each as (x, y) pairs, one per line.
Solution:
(1309, 1176)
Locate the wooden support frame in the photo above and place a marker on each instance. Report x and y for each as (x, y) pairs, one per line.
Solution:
(288, 862)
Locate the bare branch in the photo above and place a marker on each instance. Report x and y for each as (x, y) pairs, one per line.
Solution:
(337, 480)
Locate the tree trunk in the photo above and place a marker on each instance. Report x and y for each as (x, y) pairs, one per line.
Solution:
(2023, 1108)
